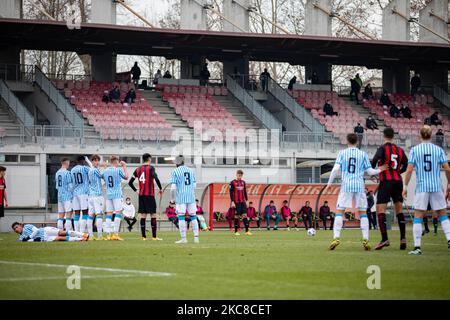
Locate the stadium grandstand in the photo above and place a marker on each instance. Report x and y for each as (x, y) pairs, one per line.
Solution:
(44, 117)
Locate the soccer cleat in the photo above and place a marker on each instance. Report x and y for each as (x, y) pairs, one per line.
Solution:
(248, 233)
(382, 244)
(144, 239)
(181, 241)
(156, 239)
(275, 228)
(334, 244)
(366, 245)
(448, 245)
(237, 234)
(402, 244)
(85, 237)
(196, 240)
(99, 239)
(296, 229)
(416, 252)
(288, 229)
(268, 229)
(116, 237)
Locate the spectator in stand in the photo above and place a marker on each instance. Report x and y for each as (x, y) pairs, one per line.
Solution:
(204, 75)
(434, 119)
(114, 95)
(264, 78)
(158, 75)
(105, 97)
(136, 73)
(384, 99)
(371, 123)
(270, 211)
(252, 216)
(355, 88)
(172, 214)
(371, 215)
(230, 217)
(314, 78)
(167, 75)
(328, 109)
(306, 214)
(394, 111)
(368, 93)
(324, 213)
(292, 82)
(440, 138)
(359, 130)
(129, 213)
(406, 111)
(415, 84)
(131, 96)
(3, 197)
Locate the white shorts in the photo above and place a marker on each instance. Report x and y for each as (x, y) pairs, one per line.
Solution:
(50, 234)
(345, 201)
(191, 207)
(96, 205)
(435, 199)
(80, 202)
(65, 206)
(114, 205)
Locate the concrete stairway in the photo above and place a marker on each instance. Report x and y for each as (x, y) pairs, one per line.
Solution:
(238, 111)
(363, 112)
(8, 121)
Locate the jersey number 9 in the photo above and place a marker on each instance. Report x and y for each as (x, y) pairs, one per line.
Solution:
(110, 182)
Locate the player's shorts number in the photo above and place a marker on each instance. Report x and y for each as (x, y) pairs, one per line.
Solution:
(394, 161)
(110, 182)
(187, 178)
(351, 165)
(427, 162)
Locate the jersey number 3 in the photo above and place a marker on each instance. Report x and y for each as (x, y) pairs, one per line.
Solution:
(187, 179)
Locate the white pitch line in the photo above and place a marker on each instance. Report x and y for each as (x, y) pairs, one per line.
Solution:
(65, 278)
(50, 265)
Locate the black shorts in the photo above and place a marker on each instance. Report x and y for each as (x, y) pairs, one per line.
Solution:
(390, 189)
(2, 211)
(147, 204)
(241, 208)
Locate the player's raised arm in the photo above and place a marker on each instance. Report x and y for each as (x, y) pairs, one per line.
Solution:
(125, 170)
(86, 158)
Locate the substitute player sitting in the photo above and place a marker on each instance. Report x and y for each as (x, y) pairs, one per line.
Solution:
(30, 233)
(352, 163)
(172, 214)
(252, 216)
(427, 159)
(286, 214)
(238, 196)
(201, 217)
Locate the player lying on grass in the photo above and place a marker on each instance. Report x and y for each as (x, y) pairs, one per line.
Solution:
(30, 233)
(427, 159)
(352, 163)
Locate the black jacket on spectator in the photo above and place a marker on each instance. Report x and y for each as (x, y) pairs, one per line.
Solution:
(368, 93)
(406, 112)
(394, 111)
(136, 72)
(359, 129)
(385, 101)
(130, 97)
(371, 124)
(434, 119)
(328, 109)
(114, 94)
(416, 82)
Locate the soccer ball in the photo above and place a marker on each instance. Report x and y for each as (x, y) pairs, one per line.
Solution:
(311, 232)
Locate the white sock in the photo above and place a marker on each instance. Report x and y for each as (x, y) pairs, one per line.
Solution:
(60, 223)
(182, 226)
(74, 239)
(445, 223)
(99, 222)
(75, 234)
(83, 222)
(68, 224)
(117, 220)
(417, 231)
(90, 225)
(76, 222)
(365, 226)
(108, 225)
(194, 224)
(338, 221)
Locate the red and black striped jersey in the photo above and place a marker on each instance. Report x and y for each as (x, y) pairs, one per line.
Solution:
(238, 191)
(147, 176)
(2, 191)
(396, 160)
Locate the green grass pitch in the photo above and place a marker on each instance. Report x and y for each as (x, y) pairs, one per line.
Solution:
(267, 265)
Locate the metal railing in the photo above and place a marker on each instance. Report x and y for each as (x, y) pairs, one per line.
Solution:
(20, 111)
(16, 72)
(69, 76)
(442, 96)
(261, 113)
(61, 103)
(296, 109)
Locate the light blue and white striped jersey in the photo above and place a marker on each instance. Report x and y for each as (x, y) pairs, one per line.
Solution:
(427, 159)
(353, 163)
(80, 180)
(95, 183)
(64, 185)
(184, 178)
(29, 230)
(113, 179)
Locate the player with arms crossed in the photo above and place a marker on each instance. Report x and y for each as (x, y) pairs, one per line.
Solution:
(183, 184)
(95, 200)
(427, 159)
(147, 205)
(239, 197)
(64, 186)
(352, 163)
(391, 186)
(113, 177)
(80, 193)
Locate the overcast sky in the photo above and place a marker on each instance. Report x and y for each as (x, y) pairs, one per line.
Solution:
(152, 9)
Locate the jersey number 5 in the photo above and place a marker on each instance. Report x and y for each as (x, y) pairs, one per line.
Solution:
(394, 161)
